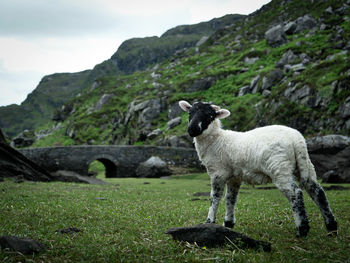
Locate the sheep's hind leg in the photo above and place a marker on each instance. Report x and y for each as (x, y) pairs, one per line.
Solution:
(318, 195)
(295, 196)
(217, 189)
(231, 199)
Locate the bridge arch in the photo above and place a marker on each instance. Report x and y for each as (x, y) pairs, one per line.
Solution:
(109, 162)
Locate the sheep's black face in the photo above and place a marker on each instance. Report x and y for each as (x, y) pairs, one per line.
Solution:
(200, 116)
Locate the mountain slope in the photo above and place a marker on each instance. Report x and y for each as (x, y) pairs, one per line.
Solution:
(138, 53)
(132, 55)
(284, 64)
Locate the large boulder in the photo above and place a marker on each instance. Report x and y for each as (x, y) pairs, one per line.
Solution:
(330, 155)
(214, 235)
(305, 22)
(275, 36)
(154, 167)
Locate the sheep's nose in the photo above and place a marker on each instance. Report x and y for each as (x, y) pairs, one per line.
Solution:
(194, 131)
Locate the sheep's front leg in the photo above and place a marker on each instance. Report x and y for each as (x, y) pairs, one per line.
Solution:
(231, 199)
(217, 189)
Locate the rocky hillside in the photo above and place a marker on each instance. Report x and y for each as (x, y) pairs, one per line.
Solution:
(134, 54)
(138, 53)
(287, 63)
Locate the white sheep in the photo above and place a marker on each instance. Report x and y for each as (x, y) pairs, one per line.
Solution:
(275, 154)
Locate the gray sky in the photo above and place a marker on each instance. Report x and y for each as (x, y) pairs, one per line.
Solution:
(41, 37)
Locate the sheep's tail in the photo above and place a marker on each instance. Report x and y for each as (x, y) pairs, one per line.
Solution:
(306, 169)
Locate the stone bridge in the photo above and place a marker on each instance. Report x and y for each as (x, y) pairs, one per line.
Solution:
(119, 161)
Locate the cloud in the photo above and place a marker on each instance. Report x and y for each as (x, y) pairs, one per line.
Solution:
(51, 17)
(15, 85)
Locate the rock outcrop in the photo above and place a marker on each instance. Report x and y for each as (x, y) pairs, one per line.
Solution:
(330, 155)
(22, 245)
(13, 164)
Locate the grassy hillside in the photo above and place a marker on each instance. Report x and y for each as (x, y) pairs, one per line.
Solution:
(309, 93)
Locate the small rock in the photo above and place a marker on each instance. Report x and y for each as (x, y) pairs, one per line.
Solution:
(103, 101)
(287, 58)
(244, 90)
(154, 134)
(155, 75)
(298, 67)
(266, 93)
(328, 11)
(68, 230)
(23, 245)
(250, 61)
(202, 41)
(202, 194)
(254, 84)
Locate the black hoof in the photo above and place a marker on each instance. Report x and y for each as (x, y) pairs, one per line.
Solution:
(303, 230)
(332, 228)
(229, 224)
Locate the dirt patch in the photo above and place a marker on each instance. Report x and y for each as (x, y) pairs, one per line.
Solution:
(202, 194)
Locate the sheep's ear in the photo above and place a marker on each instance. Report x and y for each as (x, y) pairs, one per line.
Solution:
(185, 105)
(216, 108)
(221, 114)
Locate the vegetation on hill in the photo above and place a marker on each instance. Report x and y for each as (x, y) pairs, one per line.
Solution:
(302, 82)
(134, 54)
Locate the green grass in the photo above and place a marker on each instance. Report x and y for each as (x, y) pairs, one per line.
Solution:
(128, 224)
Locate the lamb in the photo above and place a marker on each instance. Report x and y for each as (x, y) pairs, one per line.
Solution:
(274, 153)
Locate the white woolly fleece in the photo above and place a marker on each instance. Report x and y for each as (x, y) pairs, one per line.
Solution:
(259, 156)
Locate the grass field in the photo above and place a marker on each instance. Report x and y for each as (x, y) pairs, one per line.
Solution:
(125, 221)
